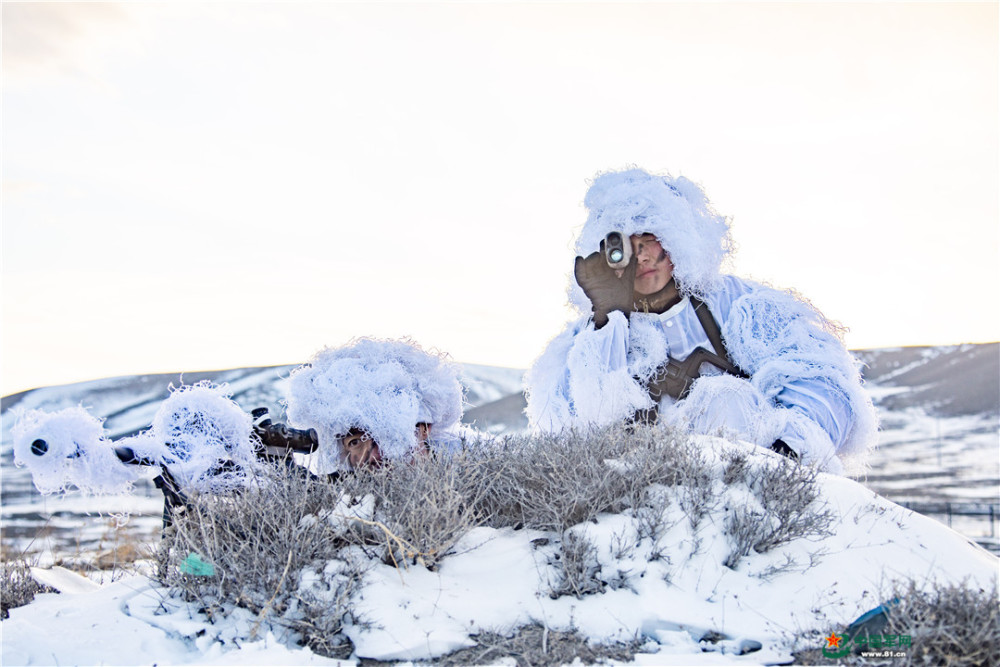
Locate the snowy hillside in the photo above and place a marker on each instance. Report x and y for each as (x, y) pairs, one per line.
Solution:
(940, 430)
(949, 380)
(128, 403)
(674, 579)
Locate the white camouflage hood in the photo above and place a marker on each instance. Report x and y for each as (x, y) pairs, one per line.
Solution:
(381, 387)
(675, 210)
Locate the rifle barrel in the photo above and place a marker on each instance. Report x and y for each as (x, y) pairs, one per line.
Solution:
(126, 455)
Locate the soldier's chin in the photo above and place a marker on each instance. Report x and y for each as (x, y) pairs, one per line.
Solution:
(645, 287)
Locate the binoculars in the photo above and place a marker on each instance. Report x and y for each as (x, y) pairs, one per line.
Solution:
(617, 250)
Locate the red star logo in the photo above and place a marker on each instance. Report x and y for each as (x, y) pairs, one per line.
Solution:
(833, 641)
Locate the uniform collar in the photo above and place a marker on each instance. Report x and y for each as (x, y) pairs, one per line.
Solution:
(659, 302)
(674, 310)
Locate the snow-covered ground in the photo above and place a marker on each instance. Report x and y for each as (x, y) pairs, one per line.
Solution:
(677, 597)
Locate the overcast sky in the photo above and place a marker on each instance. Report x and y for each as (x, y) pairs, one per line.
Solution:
(196, 186)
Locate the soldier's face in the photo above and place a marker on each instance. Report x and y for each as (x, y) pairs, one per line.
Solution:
(654, 268)
(358, 449)
(423, 433)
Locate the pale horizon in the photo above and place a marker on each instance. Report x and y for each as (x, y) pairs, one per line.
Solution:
(205, 186)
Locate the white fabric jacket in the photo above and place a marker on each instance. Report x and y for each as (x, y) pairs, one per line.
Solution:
(804, 387)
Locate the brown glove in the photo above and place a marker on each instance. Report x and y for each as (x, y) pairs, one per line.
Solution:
(602, 285)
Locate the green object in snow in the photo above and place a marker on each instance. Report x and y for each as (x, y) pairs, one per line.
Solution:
(194, 564)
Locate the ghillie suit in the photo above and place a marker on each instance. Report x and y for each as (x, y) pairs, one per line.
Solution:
(381, 387)
(791, 379)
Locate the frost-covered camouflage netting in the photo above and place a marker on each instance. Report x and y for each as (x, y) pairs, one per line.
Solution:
(69, 448)
(382, 387)
(203, 437)
(196, 429)
(675, 210)
(778, 337)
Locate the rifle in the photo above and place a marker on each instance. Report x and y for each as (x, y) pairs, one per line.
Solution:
(278, 440)
(199, 440)
(674, 378)
(277, 443)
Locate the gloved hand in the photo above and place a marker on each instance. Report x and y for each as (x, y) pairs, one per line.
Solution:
(782, 448)
(602, 285)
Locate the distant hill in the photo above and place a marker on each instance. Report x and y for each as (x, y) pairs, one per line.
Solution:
(128, 403)
(943, 380)
(947, 381)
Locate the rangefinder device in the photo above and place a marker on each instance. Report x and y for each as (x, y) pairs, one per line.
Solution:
(617, 250)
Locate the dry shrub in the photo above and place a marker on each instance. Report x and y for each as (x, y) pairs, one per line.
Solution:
(737, 464)
(555, 481)
(18, 586)
(789, 508)
(425, 506)
(261, 540)
(552, 482)
(536, 646)
(258, 543)
(789, 493)
(950, 624)
(578, 567)
(695, 479)
(745, 528)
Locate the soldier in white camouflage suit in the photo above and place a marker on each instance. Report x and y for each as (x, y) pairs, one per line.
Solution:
(667, 337)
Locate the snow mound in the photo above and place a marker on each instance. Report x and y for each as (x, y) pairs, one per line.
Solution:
(677, 592)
